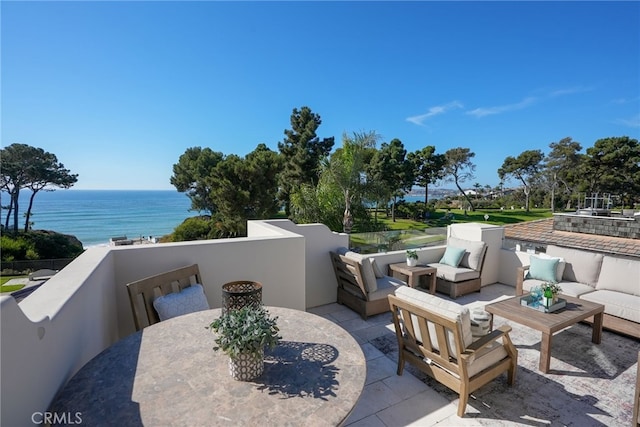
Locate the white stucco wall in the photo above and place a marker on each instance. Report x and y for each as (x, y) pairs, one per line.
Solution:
(493, 236)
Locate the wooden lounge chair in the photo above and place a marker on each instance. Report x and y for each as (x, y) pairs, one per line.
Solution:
(359, 288)
(143, 292)
(435, 336)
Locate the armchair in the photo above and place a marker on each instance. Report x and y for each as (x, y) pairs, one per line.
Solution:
(435, 336)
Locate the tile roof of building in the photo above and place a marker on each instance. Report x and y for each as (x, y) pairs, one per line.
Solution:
(541, 231)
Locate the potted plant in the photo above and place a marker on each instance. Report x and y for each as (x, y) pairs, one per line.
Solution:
(243, 334)
(412, 258)
(550, 292)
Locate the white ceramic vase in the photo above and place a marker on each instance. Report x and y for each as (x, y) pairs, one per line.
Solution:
(411, 262)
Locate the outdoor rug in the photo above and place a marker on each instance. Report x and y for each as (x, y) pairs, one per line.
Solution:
(588, 384)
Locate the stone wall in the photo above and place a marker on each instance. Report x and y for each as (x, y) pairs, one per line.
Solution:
(604, 226)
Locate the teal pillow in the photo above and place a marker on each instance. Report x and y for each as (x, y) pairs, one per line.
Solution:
(543, 269)
(452, 256)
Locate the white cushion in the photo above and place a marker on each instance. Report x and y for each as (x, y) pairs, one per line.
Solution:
(572, 289)
(376, 269)
(369, 276)
(442, 307)
(620, 274)
(189, 300)
(474, 251)
(616, 303)
(454, 274)
(582, 266)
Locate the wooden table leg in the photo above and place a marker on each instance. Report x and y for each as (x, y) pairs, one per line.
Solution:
(411, 280)
(432, 286)
(596, 334)
(545, 352)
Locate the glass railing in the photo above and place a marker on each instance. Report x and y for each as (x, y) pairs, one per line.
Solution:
(384, 241)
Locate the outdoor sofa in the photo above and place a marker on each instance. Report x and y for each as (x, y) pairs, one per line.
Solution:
(613, 281)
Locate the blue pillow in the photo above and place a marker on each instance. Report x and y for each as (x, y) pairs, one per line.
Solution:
(452, 256)
(543, 269)
(189, 300)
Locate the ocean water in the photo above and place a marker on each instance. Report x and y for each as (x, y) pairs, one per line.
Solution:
(94, 216)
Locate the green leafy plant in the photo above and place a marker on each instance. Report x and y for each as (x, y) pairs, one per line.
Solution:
(247, 330)
(554, 288)
(412, 254)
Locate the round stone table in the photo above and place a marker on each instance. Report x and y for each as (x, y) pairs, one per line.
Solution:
(168, 375)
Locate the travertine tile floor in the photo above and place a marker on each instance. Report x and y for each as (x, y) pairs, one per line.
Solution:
(391, 400)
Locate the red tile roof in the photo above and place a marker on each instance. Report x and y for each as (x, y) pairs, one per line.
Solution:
(541, 231)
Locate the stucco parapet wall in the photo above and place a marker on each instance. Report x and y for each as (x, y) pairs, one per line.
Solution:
(628, 228)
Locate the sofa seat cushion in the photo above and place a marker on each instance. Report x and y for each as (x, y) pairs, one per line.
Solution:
(385, 286)
(582, 266)
(573, 289)
(454, 274)
(448, 309)
(620, 274)
(617, 303)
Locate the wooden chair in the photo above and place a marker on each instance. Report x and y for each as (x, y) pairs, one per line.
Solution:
(354, 277)
(435, 336)
(142, 292)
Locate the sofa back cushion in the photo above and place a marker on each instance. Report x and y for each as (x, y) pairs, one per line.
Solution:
(582, 266)
(368, 274)
(620, 274)
(442, 307)
(474, 252)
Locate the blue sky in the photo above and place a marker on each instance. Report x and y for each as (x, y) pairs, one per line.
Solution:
(119, 90)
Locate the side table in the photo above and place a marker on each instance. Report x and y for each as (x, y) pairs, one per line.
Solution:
(413, 274)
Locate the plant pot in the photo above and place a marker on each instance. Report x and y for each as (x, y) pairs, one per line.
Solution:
(412, 262)
(246, 367)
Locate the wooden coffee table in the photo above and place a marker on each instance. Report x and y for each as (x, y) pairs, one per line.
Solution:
(549, 323)
(413, 274)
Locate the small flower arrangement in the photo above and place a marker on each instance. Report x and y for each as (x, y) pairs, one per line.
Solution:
(412, 254)
(554, 288)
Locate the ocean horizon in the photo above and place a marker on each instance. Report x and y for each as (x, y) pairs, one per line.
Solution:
(95, 216)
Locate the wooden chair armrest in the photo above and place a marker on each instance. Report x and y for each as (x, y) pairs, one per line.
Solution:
(488, 339)
(520, 279)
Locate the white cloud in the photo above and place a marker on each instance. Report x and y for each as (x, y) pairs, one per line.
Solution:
(434, 111)
(481, 112)
(633, 122)
(569, 91)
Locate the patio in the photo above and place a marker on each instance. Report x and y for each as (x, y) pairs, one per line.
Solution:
(84, 309)
(586, 386)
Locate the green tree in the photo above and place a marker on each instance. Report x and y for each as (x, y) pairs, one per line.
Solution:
(612, 166)
(390, 170)
(460, 168)
(29, 167)
(190, 176)
(561, 168)
(302, 153)
(525, 168)
(245, 188)
(428, 167)
(346, 169)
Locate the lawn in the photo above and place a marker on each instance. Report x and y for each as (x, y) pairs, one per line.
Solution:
(9, 288)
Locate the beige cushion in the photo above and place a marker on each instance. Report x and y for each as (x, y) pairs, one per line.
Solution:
(573, 289)
(376, 269)
(454, 274)
(486, 357)
(620, 274)
(582, 266)
(369, 276)
(442, 307)
(474, 252)
(386, 286)
(617, 303)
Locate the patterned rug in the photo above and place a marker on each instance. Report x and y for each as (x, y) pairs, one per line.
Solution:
(588, 384)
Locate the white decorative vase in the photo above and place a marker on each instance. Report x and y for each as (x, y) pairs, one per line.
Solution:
(246, 367)
(411, 262)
